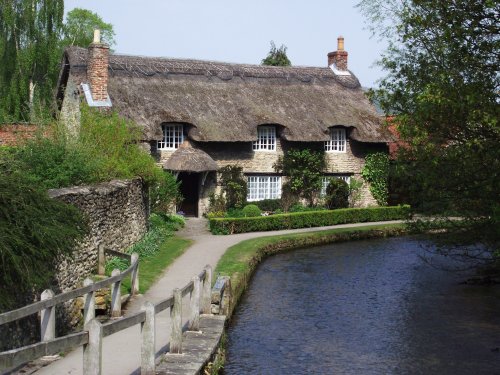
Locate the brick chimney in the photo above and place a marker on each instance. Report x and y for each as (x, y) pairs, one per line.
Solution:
(339, 57)
(97, 69)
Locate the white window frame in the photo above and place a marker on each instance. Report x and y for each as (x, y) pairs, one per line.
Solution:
(326, 181)
(173, 136)
(266, 139)
(337, 142)
(263, 187)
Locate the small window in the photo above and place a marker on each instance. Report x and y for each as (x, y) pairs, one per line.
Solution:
(263, 187)
(337, 142)
(173, 136)
(266, 139)
(326, 181)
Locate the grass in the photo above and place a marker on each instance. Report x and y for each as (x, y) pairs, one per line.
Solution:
(240, 260)
(152, 267)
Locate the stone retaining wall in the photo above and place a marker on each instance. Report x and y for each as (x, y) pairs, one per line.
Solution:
(117, 214)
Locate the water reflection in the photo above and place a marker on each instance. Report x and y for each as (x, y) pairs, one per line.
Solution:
(366, 307)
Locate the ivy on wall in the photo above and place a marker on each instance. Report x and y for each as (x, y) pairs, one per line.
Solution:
(376, 173)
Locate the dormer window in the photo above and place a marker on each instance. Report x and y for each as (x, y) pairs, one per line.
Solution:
(266, 139)
(337, 142)
(173, 136)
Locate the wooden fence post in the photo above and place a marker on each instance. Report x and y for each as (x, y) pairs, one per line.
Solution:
(48, 318)
(101, 260)
(88, 303)
(207, 291)
(148, 366)
(176, 318)
(194, 322)
(92, 351)
(134, 278)
(116, 298)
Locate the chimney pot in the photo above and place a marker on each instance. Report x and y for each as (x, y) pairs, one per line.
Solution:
(97, 36)
(340, 43)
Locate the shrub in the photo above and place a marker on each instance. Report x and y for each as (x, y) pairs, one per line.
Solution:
(161, 226)
(251, 210)
(337, 194)
(234, 212)
(305, 169)
(376, 173)
(269, 204)
(234, 185)
(35, 231)
(299, 207)
(216, 203)
(308, 219)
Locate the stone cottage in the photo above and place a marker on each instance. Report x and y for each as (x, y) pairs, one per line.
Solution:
(198, 116)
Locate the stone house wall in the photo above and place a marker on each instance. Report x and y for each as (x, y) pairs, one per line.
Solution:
(350, 162)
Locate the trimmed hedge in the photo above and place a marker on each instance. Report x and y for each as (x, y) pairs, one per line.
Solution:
(309, 219)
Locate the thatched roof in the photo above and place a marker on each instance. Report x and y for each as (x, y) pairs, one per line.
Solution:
(190, 159)
(226, 102)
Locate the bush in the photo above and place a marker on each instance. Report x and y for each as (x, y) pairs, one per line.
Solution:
(270, 205)
(234, 212)
(337, 194)
(161, 226)
(234, 185)
(251, 210)
(35, 231)
(308, 219)
(299, 207)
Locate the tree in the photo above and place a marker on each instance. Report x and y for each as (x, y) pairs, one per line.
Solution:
(443, 89)
(30, 31)
(277, 56)
(80, 26)
(337, 194)
(305, 169)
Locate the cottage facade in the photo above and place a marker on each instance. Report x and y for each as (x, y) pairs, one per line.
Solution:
(198, 116)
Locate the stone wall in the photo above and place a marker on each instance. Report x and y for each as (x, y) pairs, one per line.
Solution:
(117, 214)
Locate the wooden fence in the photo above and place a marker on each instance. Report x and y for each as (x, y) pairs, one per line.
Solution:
(94, 331)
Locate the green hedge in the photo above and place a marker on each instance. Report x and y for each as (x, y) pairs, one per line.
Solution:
(307, 219)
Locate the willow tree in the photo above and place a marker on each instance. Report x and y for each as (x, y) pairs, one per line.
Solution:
(30, 32)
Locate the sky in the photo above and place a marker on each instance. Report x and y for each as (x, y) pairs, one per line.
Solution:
(241, 31)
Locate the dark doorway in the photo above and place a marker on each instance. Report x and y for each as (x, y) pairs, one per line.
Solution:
(189, 190)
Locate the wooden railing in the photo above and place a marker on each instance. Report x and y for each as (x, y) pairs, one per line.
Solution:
(92, 336)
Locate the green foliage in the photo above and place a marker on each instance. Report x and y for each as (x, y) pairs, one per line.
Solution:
(251, 210)
(32, 39)
(337, 194)
(234, 186)
(52, 163)
(269, 205)
(35, 231)
(161, 227)
(30, 31)
(443, 87)
(355, 186)
(277, 56)
(376, 173)
(299, 207)
(216, 204)
(307, 219)
(80, 25)
(305, 169)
